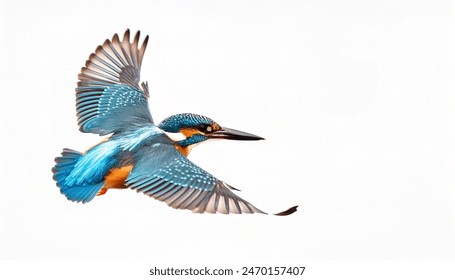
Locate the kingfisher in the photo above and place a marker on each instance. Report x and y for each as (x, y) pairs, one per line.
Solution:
(137, 154)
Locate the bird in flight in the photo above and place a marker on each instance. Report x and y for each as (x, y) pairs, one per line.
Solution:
(138, 154)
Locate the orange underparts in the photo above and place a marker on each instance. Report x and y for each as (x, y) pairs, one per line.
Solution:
(115, 179)
(183, 150)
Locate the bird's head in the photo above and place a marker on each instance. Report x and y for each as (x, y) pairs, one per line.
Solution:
(193, 129)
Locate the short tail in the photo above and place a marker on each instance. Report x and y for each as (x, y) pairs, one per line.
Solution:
(63, 167)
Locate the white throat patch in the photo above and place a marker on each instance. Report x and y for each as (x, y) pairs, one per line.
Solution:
(178, 136)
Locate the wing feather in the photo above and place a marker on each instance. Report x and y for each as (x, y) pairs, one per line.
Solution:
(162, 178)
(108, 97)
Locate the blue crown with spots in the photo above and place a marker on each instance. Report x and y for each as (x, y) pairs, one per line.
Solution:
(177, 122)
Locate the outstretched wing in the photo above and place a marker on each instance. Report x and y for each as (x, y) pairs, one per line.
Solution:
(165, 174)
(108, 96)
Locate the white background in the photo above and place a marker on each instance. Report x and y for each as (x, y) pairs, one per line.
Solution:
(355, 100)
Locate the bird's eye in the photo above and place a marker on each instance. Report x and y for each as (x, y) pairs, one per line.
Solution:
(205, 128)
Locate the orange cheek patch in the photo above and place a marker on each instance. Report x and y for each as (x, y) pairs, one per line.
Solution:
(116, 177)
(188, 132)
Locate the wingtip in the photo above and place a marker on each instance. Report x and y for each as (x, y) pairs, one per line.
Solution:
(98, 49)
(115, 39)
(145, 42)
(288, 212)
(107, 41)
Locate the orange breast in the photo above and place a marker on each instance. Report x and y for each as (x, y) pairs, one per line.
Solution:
(183, 150)
(116, 177)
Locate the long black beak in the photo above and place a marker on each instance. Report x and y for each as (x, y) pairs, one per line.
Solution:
(232, 134)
